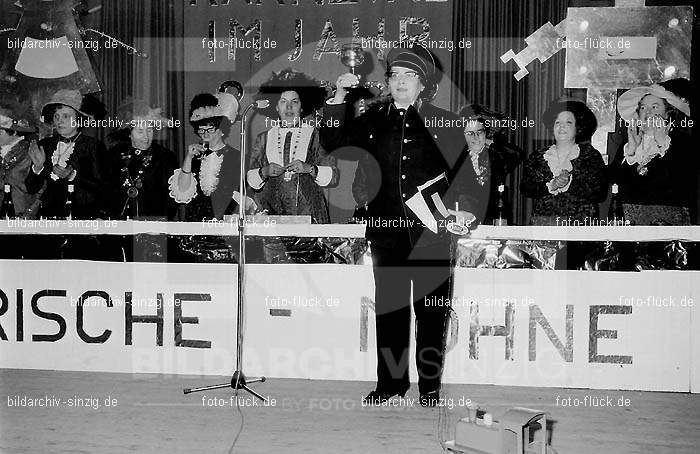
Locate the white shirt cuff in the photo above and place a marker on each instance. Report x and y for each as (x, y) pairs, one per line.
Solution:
(630, 159)
(185, 196)
(254, 180)
(324, 176)
(73, 174)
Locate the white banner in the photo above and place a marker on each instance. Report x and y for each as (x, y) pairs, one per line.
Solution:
(517, 327)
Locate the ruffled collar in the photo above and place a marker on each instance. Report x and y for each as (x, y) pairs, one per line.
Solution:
(209, 171)
(559, 161)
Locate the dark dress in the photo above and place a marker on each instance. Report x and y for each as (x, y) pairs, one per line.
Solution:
(302, 194)
(218, 202)
(588, 188)
(152, 199)
(665, 194)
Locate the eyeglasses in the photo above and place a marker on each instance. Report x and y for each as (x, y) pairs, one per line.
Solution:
(408, 75)
(202, 131)
(478, 132)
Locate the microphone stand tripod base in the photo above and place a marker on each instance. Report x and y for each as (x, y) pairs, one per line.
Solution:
(238, 381)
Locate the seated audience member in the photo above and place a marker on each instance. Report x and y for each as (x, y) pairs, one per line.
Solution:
(68, 157)
(137, 167)
(567, 180)
(656, 170)
(15, 162)
(491, 157)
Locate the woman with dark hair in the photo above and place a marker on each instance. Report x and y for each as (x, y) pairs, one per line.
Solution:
(140, 167)
(208, 179)
(288, 165)
(15, 162)
(567, 180)
(656, 171)
(491, 157)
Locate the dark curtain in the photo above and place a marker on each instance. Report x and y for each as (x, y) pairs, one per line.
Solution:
(156, 28)
(493, 27)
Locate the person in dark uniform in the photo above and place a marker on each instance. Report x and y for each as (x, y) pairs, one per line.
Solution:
(69, 157)
(404, 178)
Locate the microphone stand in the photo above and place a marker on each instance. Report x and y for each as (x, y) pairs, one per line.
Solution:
(238, 379)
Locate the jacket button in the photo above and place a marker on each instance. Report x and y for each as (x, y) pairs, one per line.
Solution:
(404, 158)
(407, 125)
(435, 136)
(403, 177)
(405, 140)
(370, 136)
(403, 195)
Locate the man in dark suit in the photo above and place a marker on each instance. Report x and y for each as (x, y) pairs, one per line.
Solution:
(66, 158)
(406, 142)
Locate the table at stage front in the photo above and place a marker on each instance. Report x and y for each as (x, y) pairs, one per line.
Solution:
(264, 226)
(594, 248)
(270, 239)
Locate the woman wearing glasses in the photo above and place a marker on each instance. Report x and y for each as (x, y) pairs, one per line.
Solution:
(491, 157)
(208, 179)
(408, 145)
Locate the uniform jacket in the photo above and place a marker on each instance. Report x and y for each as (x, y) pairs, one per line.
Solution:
(402, 149)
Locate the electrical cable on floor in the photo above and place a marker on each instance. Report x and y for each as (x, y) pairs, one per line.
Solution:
(240, 429)
(443, 419)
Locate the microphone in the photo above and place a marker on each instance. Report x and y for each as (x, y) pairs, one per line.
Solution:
(258, 104)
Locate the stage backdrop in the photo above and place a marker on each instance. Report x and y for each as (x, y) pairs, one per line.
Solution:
(598, 330)
(306, 35)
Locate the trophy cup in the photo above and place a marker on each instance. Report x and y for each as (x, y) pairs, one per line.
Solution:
(352, 56)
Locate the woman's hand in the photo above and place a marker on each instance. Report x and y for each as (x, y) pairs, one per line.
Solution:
(272, 170)
(634, 134)
(344, 82)
(194, 150)
(298, 166)
(561, 180)
(660, 128)
(37, 155)
(62, 172)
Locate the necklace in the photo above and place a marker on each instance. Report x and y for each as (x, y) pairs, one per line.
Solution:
(134, 183)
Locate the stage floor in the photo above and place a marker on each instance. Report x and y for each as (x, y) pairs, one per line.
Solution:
(150, 414)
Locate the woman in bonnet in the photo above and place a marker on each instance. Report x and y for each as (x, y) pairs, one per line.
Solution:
(207, 181)
(657, 168)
